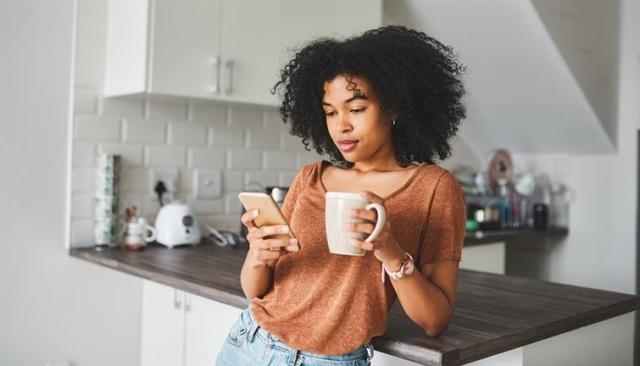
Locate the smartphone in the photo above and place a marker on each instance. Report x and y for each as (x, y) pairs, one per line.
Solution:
(270, 214)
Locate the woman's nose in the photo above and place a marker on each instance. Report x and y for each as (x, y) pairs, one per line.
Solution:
(344, 125)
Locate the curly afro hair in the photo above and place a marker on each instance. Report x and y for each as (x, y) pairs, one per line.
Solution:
(414, 76)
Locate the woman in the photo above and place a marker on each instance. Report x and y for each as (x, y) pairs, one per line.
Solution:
(382, 106)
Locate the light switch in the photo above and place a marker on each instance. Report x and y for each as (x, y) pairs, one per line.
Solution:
(207, 183)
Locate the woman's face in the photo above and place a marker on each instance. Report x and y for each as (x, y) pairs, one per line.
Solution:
(355, 120)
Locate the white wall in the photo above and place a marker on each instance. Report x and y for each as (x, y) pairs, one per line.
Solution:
(600, 251)
(586, 33)
(54, 308)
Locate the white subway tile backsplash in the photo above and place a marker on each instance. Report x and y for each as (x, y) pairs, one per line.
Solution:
(92, 128)
(203, 207)
(185, 180)
(306, 157)
(232, 181)
(245, 116)
(81, 233)
(285, 179)
(263, 138)
(121, 107)
(135, 180)
(246, 142)
(84, 153)
(242, 159)
(83, 178)
(279, 160)
(272, 118)
(185, 133)
(232, 204)
(167, 109)
(132, 155)
(207, 157)
(209, 113)
(228, 136)
(265, 178)
(166, 156)
(82, 205)
(145, 132)
(290, 142)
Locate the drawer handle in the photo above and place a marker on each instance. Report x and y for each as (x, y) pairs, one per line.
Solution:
(176, 300)
(215, 70)
(228, 67)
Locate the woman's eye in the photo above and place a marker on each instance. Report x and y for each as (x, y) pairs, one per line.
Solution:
(356, 110)
(329, 113)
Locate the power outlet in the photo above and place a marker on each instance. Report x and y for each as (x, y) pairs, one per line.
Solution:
(170, 178)
(207, 183)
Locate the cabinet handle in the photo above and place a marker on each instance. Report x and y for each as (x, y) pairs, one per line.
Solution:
(187, 302)
(215, 70)
(176, 300)
(228, 68)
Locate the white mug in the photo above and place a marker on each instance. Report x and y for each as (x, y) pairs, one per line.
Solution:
(338, 206)
(139, 232)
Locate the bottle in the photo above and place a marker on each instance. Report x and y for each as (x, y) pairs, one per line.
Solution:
(505, 208)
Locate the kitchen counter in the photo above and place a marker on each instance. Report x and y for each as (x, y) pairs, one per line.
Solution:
(493, 314)
(492, 236)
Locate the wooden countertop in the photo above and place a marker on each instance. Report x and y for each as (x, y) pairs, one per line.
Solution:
(491, 236)
(493, 314)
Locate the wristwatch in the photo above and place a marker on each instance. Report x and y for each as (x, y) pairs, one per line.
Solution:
(406, 268)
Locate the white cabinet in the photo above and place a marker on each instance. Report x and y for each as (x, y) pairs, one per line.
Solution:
(218, 49)
(179, 328)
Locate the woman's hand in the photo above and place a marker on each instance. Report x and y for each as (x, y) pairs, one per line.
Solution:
(385, 247)
(262, 247)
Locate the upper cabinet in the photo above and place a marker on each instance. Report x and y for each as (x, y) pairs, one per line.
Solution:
(219, 49)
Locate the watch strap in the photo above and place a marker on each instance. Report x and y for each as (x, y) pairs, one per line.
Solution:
(400, 272)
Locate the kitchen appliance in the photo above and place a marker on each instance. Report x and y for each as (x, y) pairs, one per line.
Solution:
(176, 225)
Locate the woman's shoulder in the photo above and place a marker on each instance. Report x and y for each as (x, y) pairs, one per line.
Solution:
(308, 171)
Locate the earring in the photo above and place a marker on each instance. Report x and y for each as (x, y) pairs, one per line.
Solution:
(393, 123)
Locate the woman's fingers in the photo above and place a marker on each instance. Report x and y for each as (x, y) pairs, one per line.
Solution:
(247, 218)
(268, 231)
(360, 227)
(272, 244)
(363, 214)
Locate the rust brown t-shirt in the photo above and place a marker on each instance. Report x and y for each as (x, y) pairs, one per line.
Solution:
(332, 304)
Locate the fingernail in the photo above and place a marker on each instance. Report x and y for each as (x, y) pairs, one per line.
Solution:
(255, 214)
(293, 241)
(284, 229)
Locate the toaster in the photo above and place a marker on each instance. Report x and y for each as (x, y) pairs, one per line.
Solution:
(176, 225)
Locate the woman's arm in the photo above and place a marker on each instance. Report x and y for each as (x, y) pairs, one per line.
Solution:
(256, 277)
(428, 294)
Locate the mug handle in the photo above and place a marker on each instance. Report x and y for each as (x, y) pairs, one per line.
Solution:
(152, 230)
(382, 216)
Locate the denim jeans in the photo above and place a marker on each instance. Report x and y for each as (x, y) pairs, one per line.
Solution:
(248, 344)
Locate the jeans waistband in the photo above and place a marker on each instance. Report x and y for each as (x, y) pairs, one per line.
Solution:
(256, 329)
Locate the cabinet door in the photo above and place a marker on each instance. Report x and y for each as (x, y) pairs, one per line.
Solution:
(302, 21)
(250, 50)
(185, 47)
(208, 323)
(162, 341)
(353, 17)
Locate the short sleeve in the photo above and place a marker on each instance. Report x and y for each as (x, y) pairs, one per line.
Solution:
(444, 232)
(295, 187)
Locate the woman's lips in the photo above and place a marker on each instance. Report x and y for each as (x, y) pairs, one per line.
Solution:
(347, 146)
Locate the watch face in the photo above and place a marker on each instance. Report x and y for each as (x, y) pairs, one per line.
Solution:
(410, 268)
